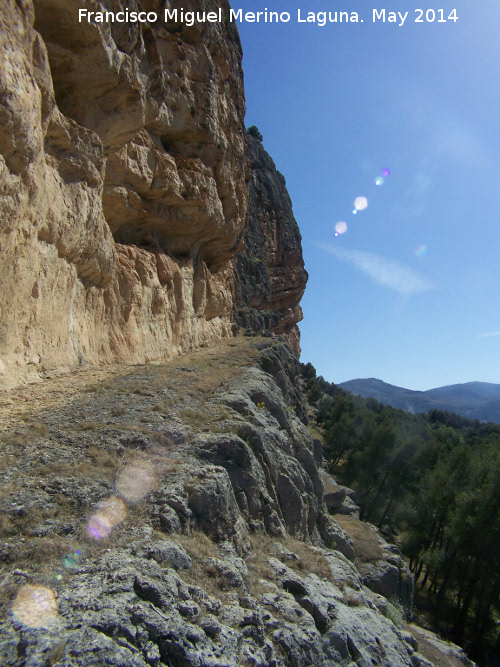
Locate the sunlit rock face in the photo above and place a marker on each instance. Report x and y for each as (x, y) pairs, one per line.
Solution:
(123, 174)
(271, 278)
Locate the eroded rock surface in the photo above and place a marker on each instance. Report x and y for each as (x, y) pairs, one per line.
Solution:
(270, 271)
(173, 514)
(123, 168)
(128, 611)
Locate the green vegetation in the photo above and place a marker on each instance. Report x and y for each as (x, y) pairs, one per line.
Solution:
(254, 132)
(433, 481)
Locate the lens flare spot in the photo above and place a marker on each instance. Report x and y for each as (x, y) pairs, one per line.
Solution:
(421, 250)
(110, 513)
(379, 181)
(340, 228)
(35, 606)
(360, 203)
(386, 172)
(71, 560)
(135, 481)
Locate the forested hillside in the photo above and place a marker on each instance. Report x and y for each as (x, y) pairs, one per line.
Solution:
(474, 400)
(433, 482)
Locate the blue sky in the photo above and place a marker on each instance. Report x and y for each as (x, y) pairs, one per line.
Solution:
(410, 292)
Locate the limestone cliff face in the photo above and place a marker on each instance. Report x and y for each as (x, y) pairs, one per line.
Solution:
(271, 278)
(123, 180)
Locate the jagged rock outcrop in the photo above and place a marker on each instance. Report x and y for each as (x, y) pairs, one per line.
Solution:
(102, 560)
(271, 278)
(131, 612)
(123, 169)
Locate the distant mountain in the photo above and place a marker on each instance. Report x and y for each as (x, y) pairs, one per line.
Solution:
(475, 400)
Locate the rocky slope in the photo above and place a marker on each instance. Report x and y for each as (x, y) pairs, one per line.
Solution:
(271, 274)
(123, 173)
(174, 514)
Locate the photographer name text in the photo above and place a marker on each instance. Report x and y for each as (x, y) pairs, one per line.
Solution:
(321, 19)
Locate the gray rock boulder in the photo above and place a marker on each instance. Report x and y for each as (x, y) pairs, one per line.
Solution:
(334, 498)
(212, 501)
(165, 552)
(389, 576)
(348, 508)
